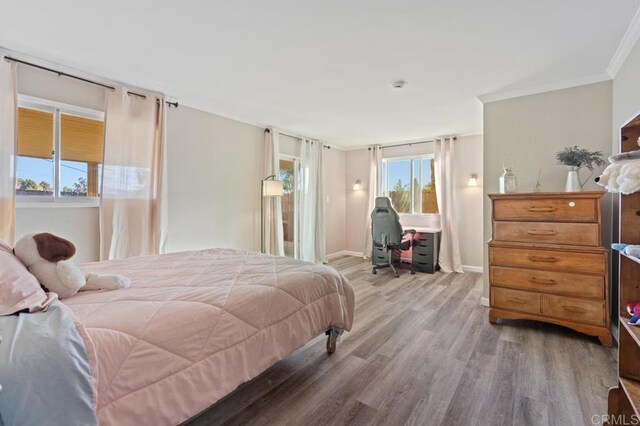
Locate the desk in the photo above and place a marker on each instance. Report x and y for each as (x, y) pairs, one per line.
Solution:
(420, 229)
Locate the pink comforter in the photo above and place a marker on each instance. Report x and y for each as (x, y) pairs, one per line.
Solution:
(196, 325)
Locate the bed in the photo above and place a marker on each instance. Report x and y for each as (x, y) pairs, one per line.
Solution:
(195, 325)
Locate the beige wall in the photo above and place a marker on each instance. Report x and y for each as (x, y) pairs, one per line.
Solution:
(356, 201)
(214, 173)
(77, 224)
(468, 154)
(468, 160)
(335, 185)
(626, 94)
(529, 130)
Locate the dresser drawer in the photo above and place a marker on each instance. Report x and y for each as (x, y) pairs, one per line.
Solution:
(561, 283)
(549, 260)
(547, 209)
(515, 300)
(582, 234)
(577, 310)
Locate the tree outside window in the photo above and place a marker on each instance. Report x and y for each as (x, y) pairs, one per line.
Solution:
(410, 185)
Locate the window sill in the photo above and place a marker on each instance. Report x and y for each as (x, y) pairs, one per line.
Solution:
(63, 204)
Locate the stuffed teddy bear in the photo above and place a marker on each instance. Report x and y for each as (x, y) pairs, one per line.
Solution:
(609, 177)
(47, 256)
(629, 179)
(623, 174)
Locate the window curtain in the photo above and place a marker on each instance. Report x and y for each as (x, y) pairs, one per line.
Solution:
(273, 232)
(449, 259)
(375, 169)
(310, 246)
(8, 106)
(133, 212)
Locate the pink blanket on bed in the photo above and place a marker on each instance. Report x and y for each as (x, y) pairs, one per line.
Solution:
(196, 325)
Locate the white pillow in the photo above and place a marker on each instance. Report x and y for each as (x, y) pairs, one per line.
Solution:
(19, 290)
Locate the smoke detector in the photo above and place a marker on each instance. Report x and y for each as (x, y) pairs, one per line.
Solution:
(399, 84)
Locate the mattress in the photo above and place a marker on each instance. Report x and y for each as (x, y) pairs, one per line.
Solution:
(195, 325)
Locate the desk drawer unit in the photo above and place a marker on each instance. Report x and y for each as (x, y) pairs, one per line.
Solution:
(424, 252)
(546, 261)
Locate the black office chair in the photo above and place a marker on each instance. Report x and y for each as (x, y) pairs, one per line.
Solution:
(387, 236)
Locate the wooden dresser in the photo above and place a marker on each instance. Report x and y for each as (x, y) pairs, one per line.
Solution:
(547, 263)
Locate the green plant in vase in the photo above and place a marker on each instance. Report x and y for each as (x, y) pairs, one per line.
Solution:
(575, 159)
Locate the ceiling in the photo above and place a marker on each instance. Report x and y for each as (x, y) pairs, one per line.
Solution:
(324, 68)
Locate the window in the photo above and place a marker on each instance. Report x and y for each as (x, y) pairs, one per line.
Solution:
(410, 184)
(59, 151)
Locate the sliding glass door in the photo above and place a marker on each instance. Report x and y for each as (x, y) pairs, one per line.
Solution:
(288, 175)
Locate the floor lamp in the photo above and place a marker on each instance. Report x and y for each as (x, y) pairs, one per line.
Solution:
(269, 187)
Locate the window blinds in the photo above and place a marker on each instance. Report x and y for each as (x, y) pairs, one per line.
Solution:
(81, 139)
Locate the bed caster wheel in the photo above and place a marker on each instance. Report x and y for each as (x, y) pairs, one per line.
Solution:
(397, 275)
(331, 346)
(374, 271)
(413, 272)
(332, 339)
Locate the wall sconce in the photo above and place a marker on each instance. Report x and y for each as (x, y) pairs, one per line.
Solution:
(473, 180)
(357, 186)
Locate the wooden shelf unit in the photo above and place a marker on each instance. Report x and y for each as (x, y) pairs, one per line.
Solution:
(624, 400)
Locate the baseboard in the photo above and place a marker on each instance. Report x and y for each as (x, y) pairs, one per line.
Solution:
(343, 253)
(484, 301)
(468, 268)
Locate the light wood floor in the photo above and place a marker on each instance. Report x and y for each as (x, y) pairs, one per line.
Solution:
(422, 352)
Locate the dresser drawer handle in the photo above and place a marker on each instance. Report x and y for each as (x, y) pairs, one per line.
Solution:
(574, 309)
(541, 232)
(545, 259)
(542, 281)
(516, 300)
(541, 209)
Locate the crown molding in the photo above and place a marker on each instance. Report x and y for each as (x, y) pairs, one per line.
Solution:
(626, 44)
(543, 88)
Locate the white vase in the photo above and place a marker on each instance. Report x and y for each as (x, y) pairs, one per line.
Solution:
(573, 180)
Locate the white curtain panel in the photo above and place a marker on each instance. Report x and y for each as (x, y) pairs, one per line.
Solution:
(8, 104)
(449, 259)
(273, 232)
(133, 211)
(375, 170)
(310, 246)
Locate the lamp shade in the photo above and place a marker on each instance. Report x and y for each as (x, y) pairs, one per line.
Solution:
(272, 188)
(473, 180)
